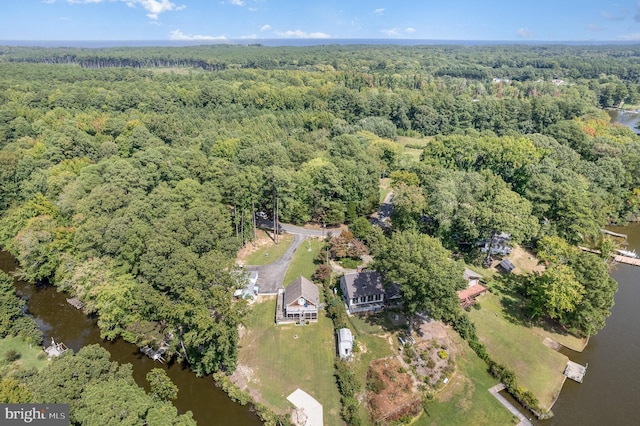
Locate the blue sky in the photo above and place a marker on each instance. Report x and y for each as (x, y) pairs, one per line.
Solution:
(211, 20)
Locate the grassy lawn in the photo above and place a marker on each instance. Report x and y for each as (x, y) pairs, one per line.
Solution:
(281, 362)
(385, 188)
(29, 356)
(270, 252)
(466, 399)
(303, 260)
(412, 150)
(537, 367)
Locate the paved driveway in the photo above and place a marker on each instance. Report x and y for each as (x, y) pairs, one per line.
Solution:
(271, 277)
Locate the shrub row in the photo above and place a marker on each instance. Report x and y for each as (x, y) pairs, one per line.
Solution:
(348, 383)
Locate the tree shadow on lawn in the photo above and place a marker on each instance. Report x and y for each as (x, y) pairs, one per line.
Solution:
(389, 320)
(515, 305)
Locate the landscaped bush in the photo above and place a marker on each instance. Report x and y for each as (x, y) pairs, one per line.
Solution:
(11, 355)
(442, 354)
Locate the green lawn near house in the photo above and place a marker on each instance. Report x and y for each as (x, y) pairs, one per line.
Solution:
(303, 261)
(30, 356)
(520, 348)
(282, 358)
(466, 400)
(270, 252)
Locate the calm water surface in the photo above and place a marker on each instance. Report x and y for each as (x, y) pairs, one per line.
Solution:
(57, 319)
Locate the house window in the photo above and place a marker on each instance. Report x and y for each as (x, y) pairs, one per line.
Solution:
(370, 298)
(378, 297)
(354, 300)
(363, 299)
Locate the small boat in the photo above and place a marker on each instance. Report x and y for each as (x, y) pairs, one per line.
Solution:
(628, 253)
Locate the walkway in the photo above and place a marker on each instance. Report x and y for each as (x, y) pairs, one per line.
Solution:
(495, 392)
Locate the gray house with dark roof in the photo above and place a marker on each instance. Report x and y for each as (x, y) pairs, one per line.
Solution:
(299, 301)
(363, 291)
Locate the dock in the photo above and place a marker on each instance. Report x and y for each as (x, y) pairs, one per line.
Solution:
(55, 349)
(626, 259)
(614, 234)
(75, 302)
(575, 371)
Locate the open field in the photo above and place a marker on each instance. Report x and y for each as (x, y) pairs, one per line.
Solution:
(466, 399)
(265, 250)
(520, 348)
(385, 188)
(30, 357)
(303, 260)
(412, 146)
(278, 359)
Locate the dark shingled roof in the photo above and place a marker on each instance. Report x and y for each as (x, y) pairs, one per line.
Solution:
(363, 284)
(507, 265)
(301, 287)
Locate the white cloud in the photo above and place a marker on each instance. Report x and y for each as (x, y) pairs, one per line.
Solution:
(48, 1)
(179, 35)
(253, 9)
(153, 7)
(615, 16)
(595, 28)
(410, 30)
(391, 32)
(524, 33)
(379, 12)
(265, 27)
(302, 34)
(630, 37)
(249, 37)
(237, 2)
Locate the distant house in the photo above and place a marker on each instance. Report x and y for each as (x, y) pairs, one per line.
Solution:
(507, 266)
(467, 297)
(345, 343)
(363, 291)
(499, 244)
(299, 302)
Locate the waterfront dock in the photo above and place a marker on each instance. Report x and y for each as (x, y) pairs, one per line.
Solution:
(614, 234)
(626, 259)
(575, 371)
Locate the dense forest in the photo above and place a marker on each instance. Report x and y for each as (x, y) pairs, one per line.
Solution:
(129, 177)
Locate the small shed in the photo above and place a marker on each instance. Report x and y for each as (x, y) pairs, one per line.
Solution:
(345, 343)
(507, 266)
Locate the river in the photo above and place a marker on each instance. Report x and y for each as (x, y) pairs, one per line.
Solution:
(58, 319)
(627, 118)
(611, 389)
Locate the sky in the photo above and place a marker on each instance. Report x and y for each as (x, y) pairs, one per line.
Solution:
(220, 20)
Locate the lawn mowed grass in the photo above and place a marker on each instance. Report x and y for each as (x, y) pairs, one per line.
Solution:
(412, 146)
(466, 399)
(303, 261)
(520, 348)
(270, 252)
(285, 357)
(385, 188)
(30, 357)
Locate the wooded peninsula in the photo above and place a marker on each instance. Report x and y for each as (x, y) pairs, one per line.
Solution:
(131, 177)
